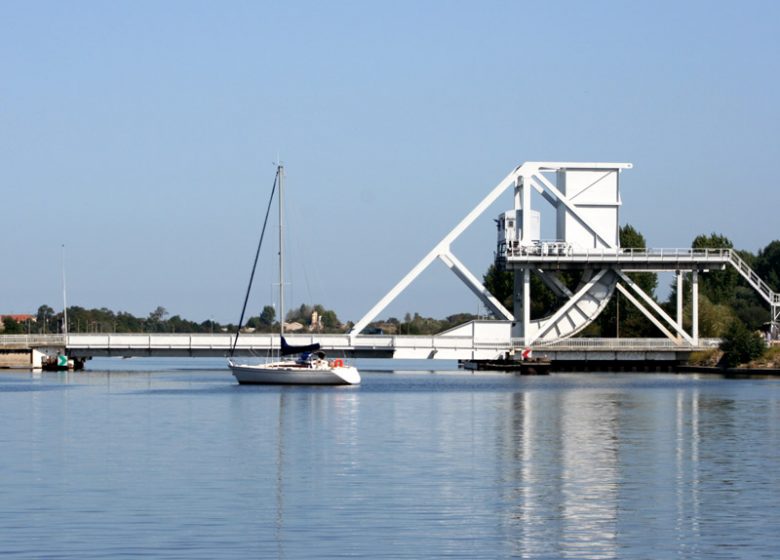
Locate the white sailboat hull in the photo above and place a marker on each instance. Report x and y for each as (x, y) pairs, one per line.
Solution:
(292, 373)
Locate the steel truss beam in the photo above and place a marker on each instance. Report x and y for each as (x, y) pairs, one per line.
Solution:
(671, 322)
(442, 248)
(475, 285)
(529, 174)
(552, 281)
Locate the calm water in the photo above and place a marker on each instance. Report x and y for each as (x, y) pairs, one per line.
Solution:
(176, 461)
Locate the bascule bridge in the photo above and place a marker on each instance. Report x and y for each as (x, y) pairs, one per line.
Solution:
(585, 201)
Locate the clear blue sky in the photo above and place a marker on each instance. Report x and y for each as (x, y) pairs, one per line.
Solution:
(142, 136)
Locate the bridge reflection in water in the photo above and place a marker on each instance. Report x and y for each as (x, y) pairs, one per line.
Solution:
(588, 471)
(562, 467)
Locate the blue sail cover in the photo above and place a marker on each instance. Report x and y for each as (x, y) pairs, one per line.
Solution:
(288, 349)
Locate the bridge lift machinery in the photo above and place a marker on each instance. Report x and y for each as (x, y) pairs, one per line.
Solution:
(586, 200)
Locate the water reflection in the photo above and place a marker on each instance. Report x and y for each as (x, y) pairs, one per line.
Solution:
(564, 467)
(405, 466)
(279, 525)
(589, 472)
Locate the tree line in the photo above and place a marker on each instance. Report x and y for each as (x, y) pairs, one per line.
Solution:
(104, 320)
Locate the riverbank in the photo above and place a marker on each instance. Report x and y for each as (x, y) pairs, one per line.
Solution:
(735, 373)
(770, 359)
(708, 362)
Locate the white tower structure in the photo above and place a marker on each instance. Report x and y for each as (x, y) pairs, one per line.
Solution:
(595, 193)
(586, 200)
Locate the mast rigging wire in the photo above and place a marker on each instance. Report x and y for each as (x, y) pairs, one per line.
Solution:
(254, 266)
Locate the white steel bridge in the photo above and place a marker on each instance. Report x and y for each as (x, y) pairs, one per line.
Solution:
(479, 340)
(585, 198)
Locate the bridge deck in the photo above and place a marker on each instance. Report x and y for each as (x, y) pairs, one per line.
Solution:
(468, 343)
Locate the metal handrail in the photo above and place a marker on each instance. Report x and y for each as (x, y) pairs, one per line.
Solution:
(619, 344)
(629, 252)
(722, 255)
(754, 279)
(32, 339)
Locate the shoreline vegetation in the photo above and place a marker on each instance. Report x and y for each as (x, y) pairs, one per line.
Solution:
(729, 309)
(714, 358)
(303, 319)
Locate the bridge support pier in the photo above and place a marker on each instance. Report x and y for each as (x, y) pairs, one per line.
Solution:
(695, 306)
(679, 275)
(522, 304)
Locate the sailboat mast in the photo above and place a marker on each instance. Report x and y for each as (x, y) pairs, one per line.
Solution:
(280, 171)
(64, 296)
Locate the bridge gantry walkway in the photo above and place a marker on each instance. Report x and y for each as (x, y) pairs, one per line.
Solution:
(608, 266)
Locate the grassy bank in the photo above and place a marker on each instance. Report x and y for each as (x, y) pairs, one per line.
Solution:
(770, 359)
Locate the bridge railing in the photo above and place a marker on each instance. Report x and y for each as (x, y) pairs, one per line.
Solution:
(754, 280)
(560, 249)
(31, 340)
(609, 344)
(378, 341)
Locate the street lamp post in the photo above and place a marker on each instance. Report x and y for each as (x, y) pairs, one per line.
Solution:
(64, 297)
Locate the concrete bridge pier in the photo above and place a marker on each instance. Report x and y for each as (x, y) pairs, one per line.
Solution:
(37, 352)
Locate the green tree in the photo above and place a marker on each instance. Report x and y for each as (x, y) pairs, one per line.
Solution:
(268, 316)
(158, 314)
(179, 325)
(631, 238)
(749, 307)
(717, 285)
(156, 320)
(620, 316)
(500, 283)
(265, 322)
(43, 317)
(12, 326)
(330, 320)
(714, 318)
(129, 323)
(301, 315)
(740, 345)
(767, 265)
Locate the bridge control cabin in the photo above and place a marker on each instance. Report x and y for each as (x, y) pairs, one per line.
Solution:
(586, 213)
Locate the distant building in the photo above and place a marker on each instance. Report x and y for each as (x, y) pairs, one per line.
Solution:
(19, 318)
(295, 326)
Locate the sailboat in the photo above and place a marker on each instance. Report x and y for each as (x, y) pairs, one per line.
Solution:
(310, 367)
